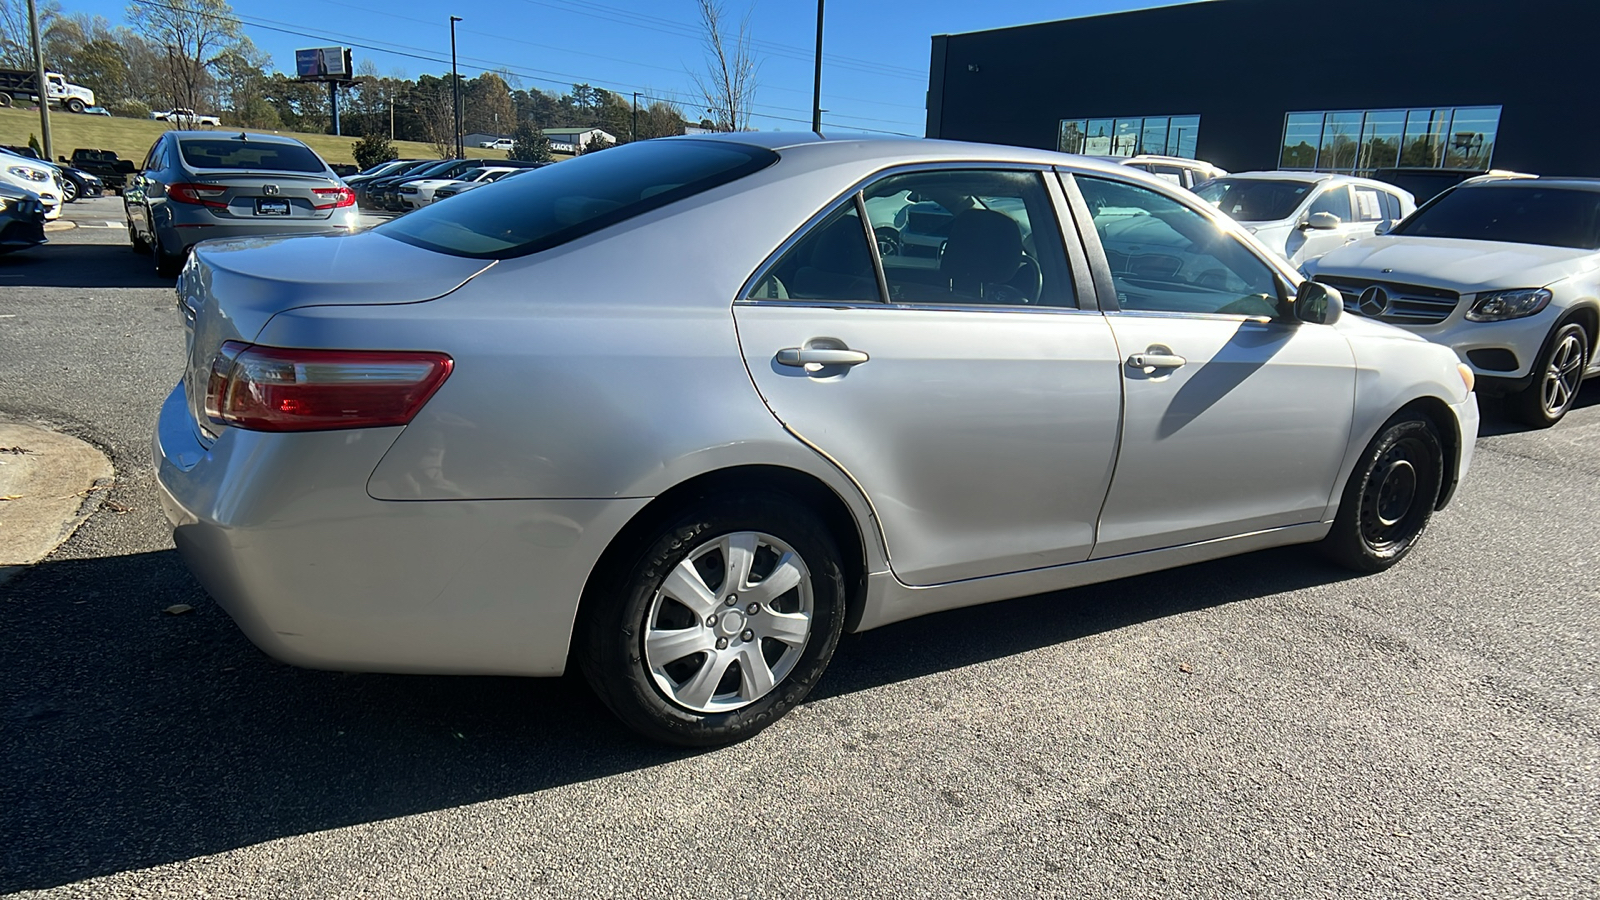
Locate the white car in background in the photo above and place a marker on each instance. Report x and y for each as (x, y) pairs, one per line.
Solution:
(502, 144)
(420, 193)
(1504, 270)
(36, 178)
(1302, 215)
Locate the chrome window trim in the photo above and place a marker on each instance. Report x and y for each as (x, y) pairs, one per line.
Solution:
(844, 305)
(855, 194)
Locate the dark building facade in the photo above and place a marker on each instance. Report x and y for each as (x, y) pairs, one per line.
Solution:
(1269, 84)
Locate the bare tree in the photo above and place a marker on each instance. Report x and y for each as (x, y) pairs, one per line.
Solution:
(16, 48)
(193, 33)
(729, 83)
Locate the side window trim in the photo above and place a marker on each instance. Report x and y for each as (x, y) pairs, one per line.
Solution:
(872, 245)
(1083, 284)
(1105, 292)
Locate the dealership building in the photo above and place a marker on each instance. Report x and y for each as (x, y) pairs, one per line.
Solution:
(1288, 84)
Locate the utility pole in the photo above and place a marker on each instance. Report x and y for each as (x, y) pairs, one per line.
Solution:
(391, 117)
(44, 86)
(816, 87)
(634, 134)
(455, 85)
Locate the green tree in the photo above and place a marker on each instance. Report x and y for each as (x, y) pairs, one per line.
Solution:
(100, 66)
(373, 148)
(486, 105)
(530, 144)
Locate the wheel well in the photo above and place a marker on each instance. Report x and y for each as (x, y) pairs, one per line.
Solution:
(1444, 421)
(623, 551)
(1590, 320)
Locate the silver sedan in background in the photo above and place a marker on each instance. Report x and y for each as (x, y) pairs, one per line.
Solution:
(680, 414)
(200, 185)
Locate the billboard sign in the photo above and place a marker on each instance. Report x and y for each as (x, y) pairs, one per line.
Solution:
(323, 64)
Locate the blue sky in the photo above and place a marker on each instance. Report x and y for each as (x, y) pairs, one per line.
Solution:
(875, 55)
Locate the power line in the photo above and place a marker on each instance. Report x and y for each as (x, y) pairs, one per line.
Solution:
(492, 66)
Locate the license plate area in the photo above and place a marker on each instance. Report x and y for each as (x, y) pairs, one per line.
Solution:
(271, 207)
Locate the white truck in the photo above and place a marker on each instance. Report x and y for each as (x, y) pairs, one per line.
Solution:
(23, 85)
(186, 117)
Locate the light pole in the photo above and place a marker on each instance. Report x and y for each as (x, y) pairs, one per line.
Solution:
(44, 86)
(455, 85)
(816, 86)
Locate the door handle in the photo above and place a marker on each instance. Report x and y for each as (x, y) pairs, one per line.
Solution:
(1155, 361)
(821, 356)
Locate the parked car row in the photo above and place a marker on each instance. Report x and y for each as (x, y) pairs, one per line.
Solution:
(74, 182)
(404, 185)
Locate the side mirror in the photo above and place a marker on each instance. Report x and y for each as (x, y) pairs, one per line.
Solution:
(1382, 227)
(1316, 303)
(1323, 221)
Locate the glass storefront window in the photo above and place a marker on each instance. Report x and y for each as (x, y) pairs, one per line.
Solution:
(1169, 135)
(1470, 140)
(1302, 132)
(1341, 136)
(1380, 139)
(1358, 141)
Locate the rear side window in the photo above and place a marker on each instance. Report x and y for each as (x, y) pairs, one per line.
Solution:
(555, 204)
(209, 153)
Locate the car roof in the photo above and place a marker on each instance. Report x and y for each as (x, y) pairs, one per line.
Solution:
(888, 151)
(1310, 177)
(229, 135)
(1565, 182)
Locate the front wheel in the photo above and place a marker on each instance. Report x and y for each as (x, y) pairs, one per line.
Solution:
(75, 105)
(69, 190)
(1389, 497)
(723, 624)
(1556, 377)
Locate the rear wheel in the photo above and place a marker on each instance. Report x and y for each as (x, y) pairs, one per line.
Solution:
(167, 265)
(5, 100)
(723, 624)
(1390, 496)
(1556, 377)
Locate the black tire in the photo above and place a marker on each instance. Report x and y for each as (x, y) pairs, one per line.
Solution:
(167, 265)
(1389, 497)
(69, 190)
(5, 100)
(139, 244)
(75, 105)
(647, 693)
(1557, 375)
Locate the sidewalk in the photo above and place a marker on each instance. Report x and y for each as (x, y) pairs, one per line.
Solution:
(49, 484)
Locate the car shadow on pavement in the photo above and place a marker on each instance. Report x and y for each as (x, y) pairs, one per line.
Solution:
(1497, 418)
(132, 737)
(79, 266)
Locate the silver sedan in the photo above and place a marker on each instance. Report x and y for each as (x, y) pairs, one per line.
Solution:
(681, 414)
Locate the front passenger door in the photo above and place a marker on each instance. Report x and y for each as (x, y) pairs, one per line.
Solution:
(1235, 417)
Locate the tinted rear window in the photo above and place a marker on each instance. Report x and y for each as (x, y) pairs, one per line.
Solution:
(253, 155)
(1522, 214)
(555, 204)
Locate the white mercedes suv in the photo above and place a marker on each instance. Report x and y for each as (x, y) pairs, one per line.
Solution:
(1504, 271)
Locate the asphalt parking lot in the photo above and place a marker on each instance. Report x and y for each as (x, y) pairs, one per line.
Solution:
(1262, 726)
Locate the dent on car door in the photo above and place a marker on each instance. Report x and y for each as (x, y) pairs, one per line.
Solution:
(965, 391)
(1235, 417)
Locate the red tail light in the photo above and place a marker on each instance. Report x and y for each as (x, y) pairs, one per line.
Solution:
(278, 389)
(334, 198)
(198, 194)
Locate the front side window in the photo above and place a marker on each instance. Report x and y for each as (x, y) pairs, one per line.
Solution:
(1255, 200)
(1522, 214)
(1167, 257)
(1334, 200)
(554, 204)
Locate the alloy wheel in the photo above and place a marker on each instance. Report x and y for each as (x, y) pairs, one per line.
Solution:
(1563, 374)
(729, 622)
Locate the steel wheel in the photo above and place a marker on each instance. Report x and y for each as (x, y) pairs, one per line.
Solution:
(729, 622)
(1557, 376)
(1390, 496)
(724, 622)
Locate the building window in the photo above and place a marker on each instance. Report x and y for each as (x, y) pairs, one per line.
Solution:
(1130, 136)
(1353, 141)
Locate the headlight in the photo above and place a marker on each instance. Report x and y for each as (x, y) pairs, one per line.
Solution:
(1498, 306)
(30, 174)
(5, 204)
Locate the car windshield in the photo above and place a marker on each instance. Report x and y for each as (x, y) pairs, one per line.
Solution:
(1520, 214)
(1255, 200)
(554, 204)
(209, 153)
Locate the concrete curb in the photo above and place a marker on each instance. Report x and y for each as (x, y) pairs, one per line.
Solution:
(49, 484)
(60, 225)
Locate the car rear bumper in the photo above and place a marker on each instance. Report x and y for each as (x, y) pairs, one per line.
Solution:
(21, 233)
(191, 228)
(280, 530)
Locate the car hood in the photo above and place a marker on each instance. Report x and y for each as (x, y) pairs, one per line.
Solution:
(1464, 266)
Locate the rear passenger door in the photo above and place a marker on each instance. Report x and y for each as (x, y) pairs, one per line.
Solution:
(947, 364)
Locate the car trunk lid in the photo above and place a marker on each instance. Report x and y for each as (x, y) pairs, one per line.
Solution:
(268, 195)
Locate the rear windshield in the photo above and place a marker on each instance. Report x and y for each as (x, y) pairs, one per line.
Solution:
(1249, 200)
(210, 153)
(1521, 214)
(555, 204)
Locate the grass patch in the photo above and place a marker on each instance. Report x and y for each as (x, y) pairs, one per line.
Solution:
(131, 138)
